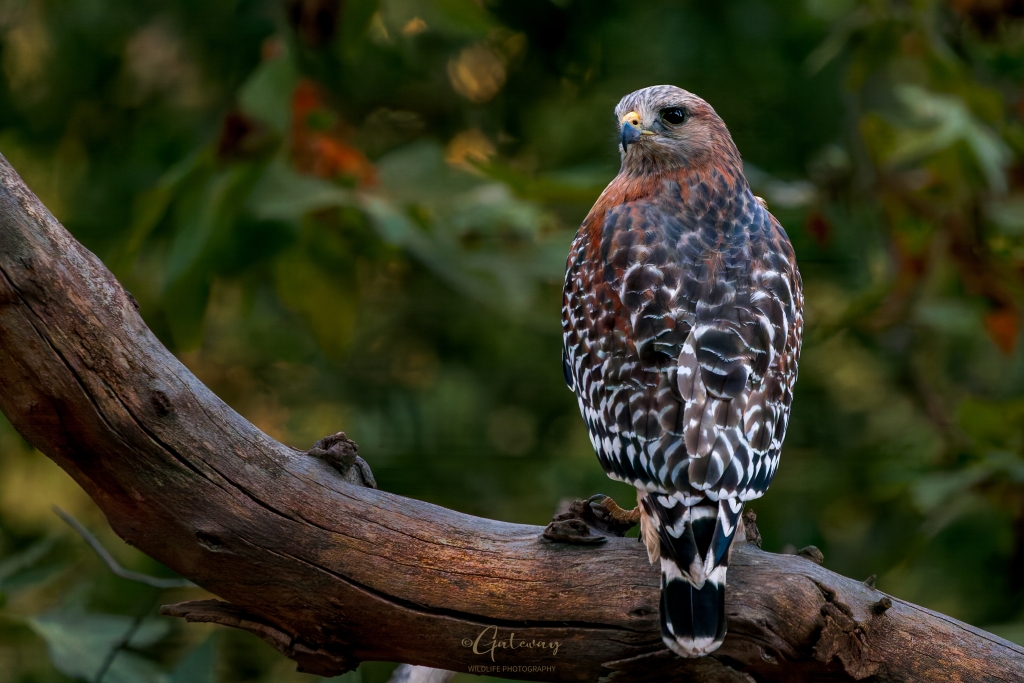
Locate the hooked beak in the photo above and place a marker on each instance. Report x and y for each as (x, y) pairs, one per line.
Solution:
(629, 135)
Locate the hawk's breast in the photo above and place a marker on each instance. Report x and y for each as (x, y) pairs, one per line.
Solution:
(681, 327)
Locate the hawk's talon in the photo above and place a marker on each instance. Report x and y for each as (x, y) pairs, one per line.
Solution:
(617, 519)
(591, 521)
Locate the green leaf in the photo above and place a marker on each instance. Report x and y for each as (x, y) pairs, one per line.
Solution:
(206, 216)
(1008, 214)
(12, 564)
(418, 173)
(952, 316)
(198, 666)
(34, 576)
(79, 644)
(282, 194)
(944, 120)
(186, 310)
(267, 95)
(472, 232)
(989, 422)
(151, 207)
(838, 38)
(22, 570)
(937, 488)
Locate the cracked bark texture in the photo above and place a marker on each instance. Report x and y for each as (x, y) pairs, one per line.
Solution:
(332, 573)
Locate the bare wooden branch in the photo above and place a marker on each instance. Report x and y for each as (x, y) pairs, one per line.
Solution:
(334, 573)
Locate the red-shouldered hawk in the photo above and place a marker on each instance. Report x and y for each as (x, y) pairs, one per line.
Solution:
(682, 318)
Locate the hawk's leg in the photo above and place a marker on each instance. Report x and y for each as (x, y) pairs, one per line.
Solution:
(617, 519)
(591, 521)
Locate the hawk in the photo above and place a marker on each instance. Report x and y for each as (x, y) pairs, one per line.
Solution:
(681, 320)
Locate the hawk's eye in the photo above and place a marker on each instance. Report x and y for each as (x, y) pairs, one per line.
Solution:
(673, 116)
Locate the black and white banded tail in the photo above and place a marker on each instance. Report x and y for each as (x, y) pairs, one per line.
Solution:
(692, 543)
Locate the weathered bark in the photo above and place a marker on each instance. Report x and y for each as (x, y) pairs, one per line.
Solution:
(333, 573)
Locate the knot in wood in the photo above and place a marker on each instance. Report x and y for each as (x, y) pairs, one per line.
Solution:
(341, 453)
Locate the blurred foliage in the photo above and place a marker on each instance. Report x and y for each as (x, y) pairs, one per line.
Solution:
(354, 216)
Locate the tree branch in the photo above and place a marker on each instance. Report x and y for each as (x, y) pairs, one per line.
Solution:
(334, 573)
(114, 565)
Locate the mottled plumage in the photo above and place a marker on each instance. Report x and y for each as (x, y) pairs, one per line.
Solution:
(682, 317)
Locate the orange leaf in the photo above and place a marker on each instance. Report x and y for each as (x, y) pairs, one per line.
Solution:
(819, 228)
(1003, 327)
(306, 98)
(325, 154)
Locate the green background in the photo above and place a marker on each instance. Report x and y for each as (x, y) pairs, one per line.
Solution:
(354, 216)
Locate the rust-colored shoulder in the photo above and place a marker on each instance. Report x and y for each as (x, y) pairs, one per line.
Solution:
(625, 189)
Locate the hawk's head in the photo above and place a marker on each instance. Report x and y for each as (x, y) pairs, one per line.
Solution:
(663, 127)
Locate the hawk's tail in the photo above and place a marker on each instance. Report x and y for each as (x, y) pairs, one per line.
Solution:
(692, 619)
(692, 542)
